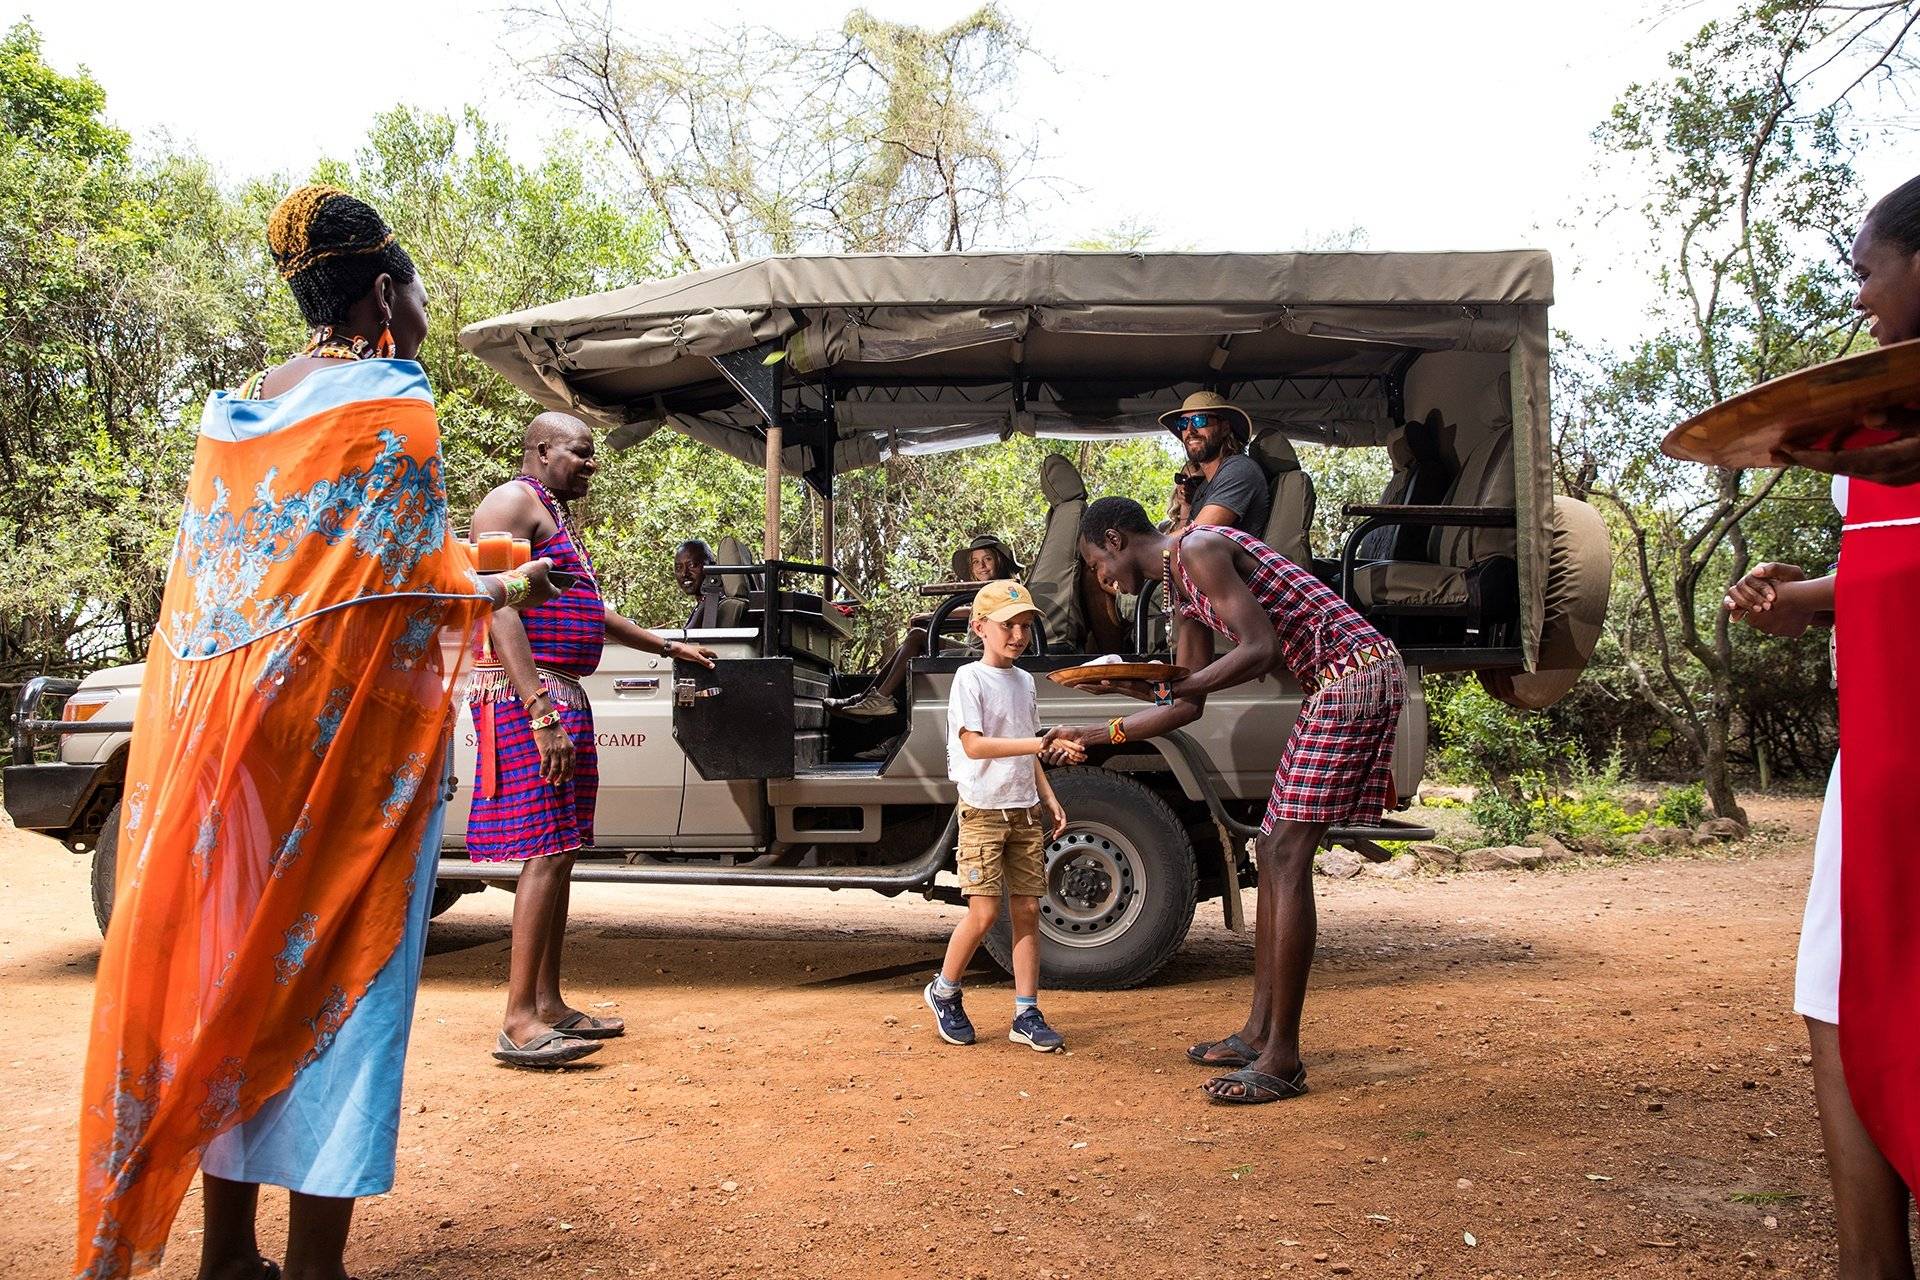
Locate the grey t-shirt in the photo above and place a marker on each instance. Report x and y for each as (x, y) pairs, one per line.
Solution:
(1241, 486)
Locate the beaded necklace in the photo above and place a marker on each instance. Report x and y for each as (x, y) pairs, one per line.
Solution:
(324, 347)
(1171, 597)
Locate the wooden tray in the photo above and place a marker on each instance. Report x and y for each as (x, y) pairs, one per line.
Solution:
(1822, 408)
(1073, 677)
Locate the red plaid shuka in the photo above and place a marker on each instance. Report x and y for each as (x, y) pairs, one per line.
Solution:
(516, 815)
(1338, 763)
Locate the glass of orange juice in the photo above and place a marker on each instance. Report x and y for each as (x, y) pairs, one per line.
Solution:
(522, 551)
(496, 551)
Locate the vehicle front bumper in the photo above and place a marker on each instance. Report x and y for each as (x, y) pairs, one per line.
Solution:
(49, 797)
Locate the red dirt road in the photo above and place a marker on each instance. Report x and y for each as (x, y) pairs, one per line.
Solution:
(1583, 1072)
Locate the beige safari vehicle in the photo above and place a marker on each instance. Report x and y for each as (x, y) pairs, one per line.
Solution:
(739, 776)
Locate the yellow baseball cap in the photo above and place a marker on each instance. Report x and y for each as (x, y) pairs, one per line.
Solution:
(1003, 601)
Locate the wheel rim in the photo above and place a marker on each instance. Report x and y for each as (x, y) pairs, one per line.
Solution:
(1096, 885)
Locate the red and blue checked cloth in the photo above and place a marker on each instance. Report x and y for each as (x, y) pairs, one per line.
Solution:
(515, 815)
(1337, 766)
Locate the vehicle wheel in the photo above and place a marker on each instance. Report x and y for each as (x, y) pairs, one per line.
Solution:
(105, 855)
(445, 894)
(1120, 886)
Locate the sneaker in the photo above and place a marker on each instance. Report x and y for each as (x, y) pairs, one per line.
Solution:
(949, 1018)
(871, 705)
(1031, 1029)
(880, 752)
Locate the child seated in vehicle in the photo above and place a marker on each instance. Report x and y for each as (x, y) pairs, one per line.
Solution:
(1007, 810)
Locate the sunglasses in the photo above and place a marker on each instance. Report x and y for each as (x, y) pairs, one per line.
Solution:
(1194, 422)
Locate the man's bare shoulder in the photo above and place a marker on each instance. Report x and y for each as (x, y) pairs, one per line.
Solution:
(509, 508)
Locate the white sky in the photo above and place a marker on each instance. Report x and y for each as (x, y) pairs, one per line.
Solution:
(1262, 125)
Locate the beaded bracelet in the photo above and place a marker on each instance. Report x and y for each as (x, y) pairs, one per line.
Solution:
(518, 587)
(1115, 734)
(1162, 693)
(546, 721)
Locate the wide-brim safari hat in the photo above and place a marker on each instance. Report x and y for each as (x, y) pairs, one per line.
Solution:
(983, 542)
(1209, 402)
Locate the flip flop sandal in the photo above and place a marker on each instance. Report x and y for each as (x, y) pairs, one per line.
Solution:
(1241, 1052)
(1256, 1087)
(548, 1049)
(585, 1026)
(269, 1269)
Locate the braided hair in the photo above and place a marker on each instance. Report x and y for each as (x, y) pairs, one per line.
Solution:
(330, 247)
(1896, 218)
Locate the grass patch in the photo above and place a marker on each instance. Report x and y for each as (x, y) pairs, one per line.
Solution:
(1765, 1197)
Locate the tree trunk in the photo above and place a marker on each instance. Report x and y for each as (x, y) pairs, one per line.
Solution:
(1715, 774)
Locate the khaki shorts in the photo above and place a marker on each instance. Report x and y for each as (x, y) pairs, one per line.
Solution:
(1003, 849)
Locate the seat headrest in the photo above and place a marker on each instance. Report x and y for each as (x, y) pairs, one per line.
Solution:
(1274, 452)
(1399, 452)
(729, 551)
(1060, 480)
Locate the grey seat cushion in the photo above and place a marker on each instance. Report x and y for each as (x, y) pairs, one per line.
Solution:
(1054, 578)
(1290, 520)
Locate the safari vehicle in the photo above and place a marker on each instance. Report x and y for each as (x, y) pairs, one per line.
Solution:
(820, 365)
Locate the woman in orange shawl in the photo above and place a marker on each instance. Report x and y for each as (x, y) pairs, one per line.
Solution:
(285, 786)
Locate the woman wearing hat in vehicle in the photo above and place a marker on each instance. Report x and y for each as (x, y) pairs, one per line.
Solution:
(982, 560)
(1223, 486)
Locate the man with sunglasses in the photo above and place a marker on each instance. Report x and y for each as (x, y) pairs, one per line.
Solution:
(1230, 488)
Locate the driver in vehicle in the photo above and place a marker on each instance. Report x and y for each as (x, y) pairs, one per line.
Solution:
(982, 560)
(1336, 767)
(689, 558)
(1221, 485)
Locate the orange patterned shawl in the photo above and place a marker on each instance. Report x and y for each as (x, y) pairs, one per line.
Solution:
(296, 701)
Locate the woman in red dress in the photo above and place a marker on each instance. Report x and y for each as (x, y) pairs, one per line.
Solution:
(1867, 1069)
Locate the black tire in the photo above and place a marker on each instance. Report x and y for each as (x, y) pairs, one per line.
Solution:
(445, 894)
(105, 854)
(1134, 867)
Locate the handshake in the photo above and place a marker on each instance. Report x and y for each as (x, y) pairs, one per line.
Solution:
(1063, 744)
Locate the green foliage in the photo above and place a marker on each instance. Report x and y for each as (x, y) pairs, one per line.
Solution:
(1481, 738)
(1682, 806)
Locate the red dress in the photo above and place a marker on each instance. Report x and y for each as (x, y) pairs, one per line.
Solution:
(1877, 622)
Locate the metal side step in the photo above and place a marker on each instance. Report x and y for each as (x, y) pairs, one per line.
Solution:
(842, 769)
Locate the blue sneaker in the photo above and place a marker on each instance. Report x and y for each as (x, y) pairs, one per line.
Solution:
(949, 1017)
(1032, 1030)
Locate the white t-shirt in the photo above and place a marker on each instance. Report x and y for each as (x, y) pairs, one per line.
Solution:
(999, 703)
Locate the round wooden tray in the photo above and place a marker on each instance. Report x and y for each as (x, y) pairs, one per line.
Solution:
(1073, 677)
(1822, 408)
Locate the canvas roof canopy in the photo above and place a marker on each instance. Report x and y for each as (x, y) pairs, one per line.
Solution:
(866, 355)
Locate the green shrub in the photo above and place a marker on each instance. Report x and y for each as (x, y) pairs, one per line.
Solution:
(1681, 806)
(1480, 737)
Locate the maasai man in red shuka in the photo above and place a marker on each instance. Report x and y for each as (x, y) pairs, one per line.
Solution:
(538, 766)
(1337, 766)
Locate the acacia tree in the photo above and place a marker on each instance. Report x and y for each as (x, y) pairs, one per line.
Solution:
(877, 137)
(1742, 161)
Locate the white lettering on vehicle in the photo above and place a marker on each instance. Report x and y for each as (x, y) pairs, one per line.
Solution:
(599, 740)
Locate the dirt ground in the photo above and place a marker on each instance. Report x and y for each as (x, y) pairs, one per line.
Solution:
(1581, 1072)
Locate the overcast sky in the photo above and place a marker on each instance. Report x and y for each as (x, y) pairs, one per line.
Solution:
(1459, 125)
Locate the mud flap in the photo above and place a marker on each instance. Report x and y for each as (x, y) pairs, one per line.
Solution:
(1231, 909)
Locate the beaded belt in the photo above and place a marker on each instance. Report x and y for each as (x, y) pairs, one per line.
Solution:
(489, 683)
(486, 689)
(1360, 659)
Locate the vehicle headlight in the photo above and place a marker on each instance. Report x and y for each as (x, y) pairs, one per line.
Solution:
(86, 704)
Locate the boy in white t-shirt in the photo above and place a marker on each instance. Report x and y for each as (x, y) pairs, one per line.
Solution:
(1006, 812)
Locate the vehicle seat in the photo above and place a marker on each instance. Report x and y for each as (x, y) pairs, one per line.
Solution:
(1422, 454)
(1055, 576)
(1290, 522)
(728, 607)
(1468, 572)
